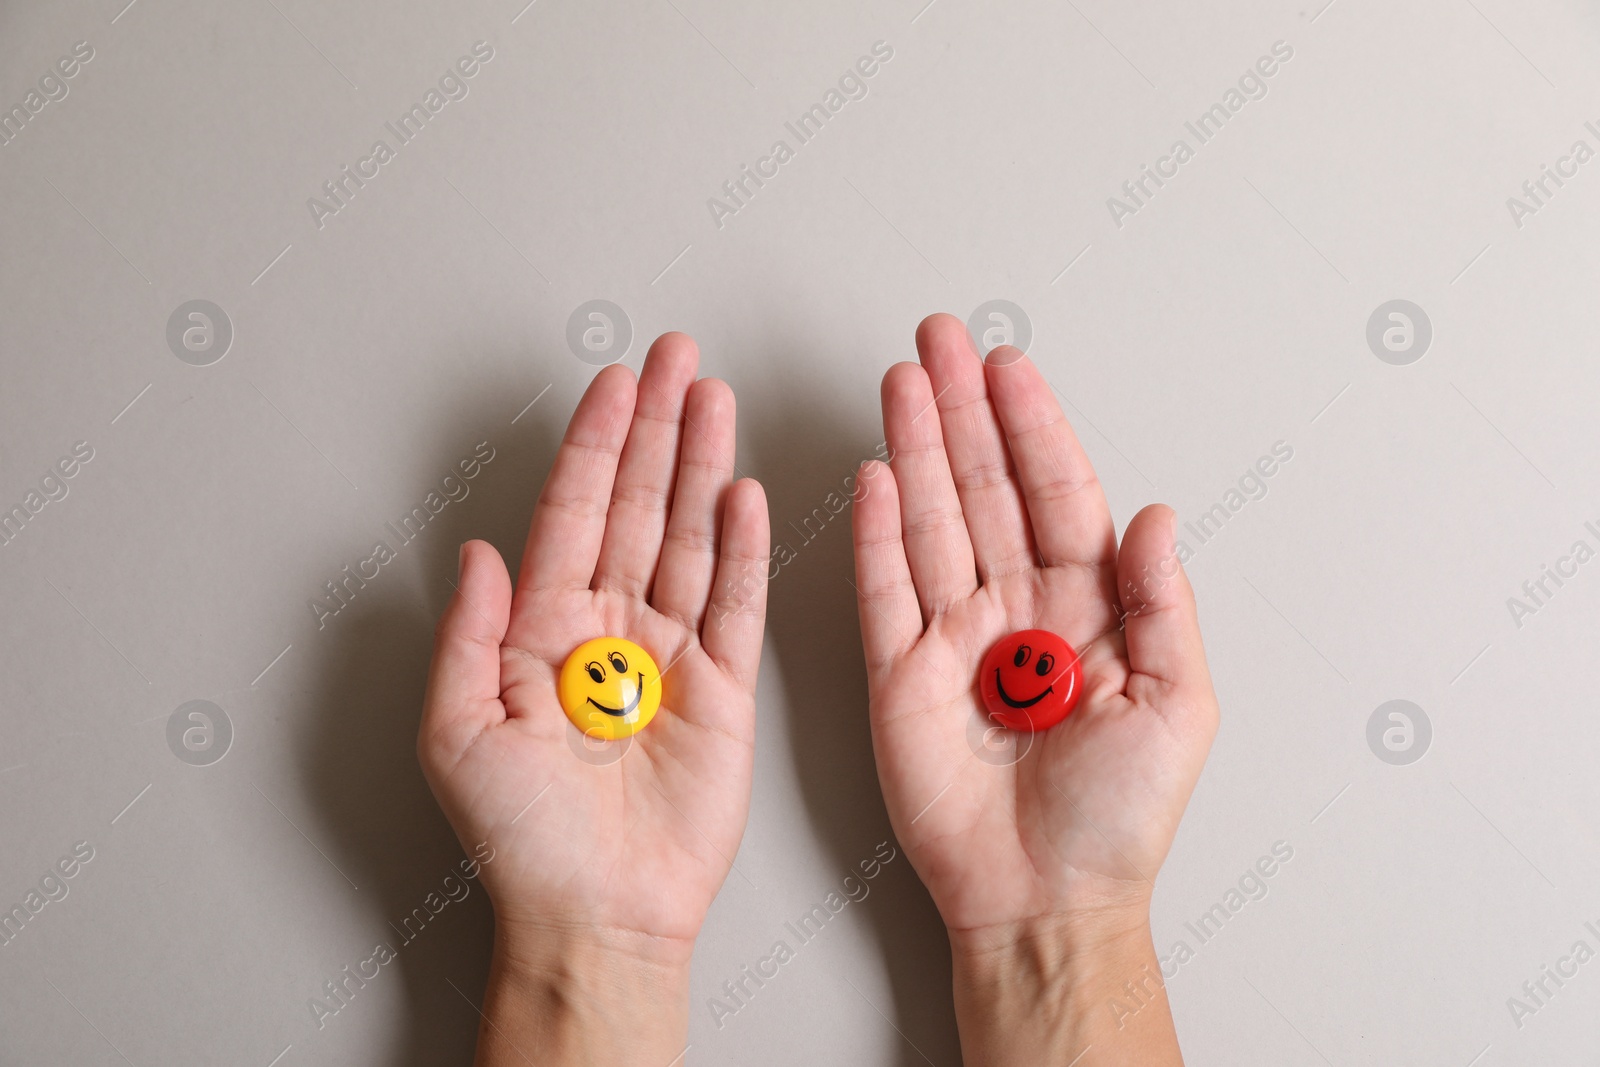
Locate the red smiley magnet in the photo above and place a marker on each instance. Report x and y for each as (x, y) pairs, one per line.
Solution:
(1030, 680)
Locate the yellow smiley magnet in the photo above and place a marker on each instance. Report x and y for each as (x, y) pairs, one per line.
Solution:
(610, 688)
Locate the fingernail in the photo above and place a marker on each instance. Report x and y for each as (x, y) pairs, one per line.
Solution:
(461, 561)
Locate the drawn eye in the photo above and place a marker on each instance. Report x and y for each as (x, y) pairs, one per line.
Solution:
(1023, 652)
(619, 663)
(597, 672)
(1047, 663)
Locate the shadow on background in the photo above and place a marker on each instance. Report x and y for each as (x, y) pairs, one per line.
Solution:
(358, 741)
(806, 452)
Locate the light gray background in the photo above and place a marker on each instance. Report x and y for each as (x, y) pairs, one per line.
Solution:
(373, 353)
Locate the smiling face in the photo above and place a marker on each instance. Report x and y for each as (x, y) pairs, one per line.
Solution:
(609, 688)
(1030, 680)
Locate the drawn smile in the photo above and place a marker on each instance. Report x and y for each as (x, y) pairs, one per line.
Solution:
(1012, 703)
(639, 692)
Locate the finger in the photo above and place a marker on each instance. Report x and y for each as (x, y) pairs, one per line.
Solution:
(1162, 625)
(731, 634)
(886, 599)
(569, 521)
(980, 463)
(1066, 505)
(935, 535)
(463, 694)
(705, 469)
(643, 490)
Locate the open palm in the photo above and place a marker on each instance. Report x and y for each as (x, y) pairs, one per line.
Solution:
(635, 527)
(988, 520)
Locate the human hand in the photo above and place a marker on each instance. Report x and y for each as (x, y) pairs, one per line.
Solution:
(604, 867)
(989, 519)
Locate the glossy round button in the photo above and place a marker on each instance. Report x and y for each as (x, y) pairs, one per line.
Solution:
(1030, 680)
(610, 688)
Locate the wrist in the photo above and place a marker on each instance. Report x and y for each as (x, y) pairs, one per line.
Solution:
(1052, 989)
(1083, 933)
(535, 946)
(582, 995)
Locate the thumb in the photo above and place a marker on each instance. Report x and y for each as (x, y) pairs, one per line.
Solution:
(463, 697)
(1161, 623)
